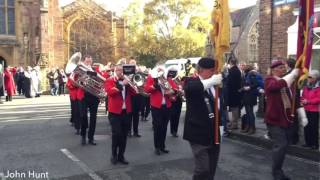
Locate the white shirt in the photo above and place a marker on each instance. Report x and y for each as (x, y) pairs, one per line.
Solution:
(123, 92)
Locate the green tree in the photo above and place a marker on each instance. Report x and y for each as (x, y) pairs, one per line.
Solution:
(167, 29)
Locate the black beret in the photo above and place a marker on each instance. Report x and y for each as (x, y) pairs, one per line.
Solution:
(206, 63)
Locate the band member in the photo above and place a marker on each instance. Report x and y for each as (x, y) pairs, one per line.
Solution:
(109, 69)
(75, 106)
(136, 101)
(176, 102)
(90, 102)
(278, 113)
(160, 107)
(201, 128)
(120, 108)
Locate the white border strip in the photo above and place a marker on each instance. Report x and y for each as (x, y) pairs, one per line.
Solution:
(82, 165)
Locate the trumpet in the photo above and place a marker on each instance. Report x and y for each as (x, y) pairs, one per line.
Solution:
(131, 84)
(136, 82)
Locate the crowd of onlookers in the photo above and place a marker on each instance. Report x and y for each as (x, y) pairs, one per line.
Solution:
(18, 81)
(27, 82)
(243, 86)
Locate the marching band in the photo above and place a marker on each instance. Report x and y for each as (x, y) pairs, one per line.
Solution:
(128, 90)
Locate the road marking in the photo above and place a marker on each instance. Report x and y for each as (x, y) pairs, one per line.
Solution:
(82, 165)
(40, 118)
(289, 156)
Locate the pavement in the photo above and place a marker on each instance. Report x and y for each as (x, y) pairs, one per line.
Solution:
(36, 139)
(260, 140)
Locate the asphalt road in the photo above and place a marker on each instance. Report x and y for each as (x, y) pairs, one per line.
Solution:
(37, 142)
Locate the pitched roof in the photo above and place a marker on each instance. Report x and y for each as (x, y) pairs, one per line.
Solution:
(240, 16)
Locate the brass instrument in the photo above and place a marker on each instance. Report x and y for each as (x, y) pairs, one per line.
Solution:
(158, 73)
(139, 79)
(131, 84)
(79, 76)
(136, 81)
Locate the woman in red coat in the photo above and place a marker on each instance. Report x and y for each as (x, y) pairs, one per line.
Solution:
(9, 84)
(311, 102)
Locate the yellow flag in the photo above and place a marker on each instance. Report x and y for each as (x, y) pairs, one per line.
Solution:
(220, 34)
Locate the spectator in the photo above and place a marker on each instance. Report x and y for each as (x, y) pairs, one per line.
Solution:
(62, 79)
(9, 84)
(1, 83)
(311, 102)
(27, 82)
(53, 81)
(233, 92)
(20, 80)
(250, 99)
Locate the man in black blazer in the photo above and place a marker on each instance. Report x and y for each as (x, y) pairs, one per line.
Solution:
(201, 127)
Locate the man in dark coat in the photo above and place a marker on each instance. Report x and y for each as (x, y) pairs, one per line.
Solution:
(201, 127)
(234, 83)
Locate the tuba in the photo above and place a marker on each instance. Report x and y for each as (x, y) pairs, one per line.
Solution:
(80, 77)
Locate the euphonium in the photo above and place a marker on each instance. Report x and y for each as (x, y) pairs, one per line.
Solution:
(79, 76)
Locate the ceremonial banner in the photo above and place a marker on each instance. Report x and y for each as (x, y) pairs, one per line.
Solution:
(220, 34)
(305, 36)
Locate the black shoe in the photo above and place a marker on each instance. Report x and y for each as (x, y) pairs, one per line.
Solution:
(305, 146)
(314, 147)
(157, 152)
(174, 135)
(77, 132)
(83, 141)
(137, 135)
(123, 161)
(91, 142)
(164, 151)
(113, 160)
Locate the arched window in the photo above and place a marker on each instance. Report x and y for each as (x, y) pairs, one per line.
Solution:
(253, 43)
(7, 17)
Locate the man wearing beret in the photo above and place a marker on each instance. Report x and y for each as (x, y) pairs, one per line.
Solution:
(278, 113)
(201, 128)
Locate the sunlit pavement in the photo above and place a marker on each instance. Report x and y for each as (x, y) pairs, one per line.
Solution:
(36, 137)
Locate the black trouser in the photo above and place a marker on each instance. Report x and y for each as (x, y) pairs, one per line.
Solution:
(75, 113)
(20, 86)
(145, 109)
(119, 126)
(106, 103)
(280, 137)
(160, 119)
(134, 118)
(89, 102)
(8, 98)
(311, 133)
(206, 160)
(175, 115)
(61, 89)
(294, 130)
(27, 87)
